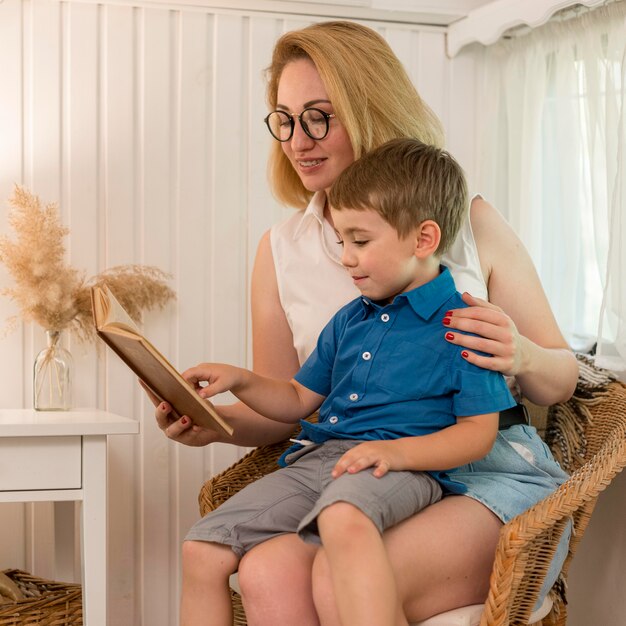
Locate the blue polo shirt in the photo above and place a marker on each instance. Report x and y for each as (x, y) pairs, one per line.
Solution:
(387, 372)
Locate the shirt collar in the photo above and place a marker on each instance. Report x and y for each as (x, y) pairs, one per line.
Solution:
(427, 299)
(313, 212)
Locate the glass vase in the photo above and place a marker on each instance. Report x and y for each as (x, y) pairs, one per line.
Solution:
(52, 376)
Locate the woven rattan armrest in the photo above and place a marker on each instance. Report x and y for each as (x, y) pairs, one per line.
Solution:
(251, 467)
(528, 542)
(257, 463)
(586, 433)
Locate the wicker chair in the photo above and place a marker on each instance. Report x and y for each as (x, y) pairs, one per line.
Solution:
(587, 435)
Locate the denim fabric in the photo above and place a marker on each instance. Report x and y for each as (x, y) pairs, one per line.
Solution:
(504, 481)
(555, 567)
(508, 484)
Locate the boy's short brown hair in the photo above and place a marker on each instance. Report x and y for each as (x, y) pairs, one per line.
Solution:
(406, 182)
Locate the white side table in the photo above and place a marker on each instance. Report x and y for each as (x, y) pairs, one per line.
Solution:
(61, 455)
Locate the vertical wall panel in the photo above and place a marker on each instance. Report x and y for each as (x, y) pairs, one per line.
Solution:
(42, 127)
(79, 198)
(191, 267)
(227, 236)
(432, 72)
(402, 42)
(12, 516)
(43, 99)
(157, 98)
(118, 216)
(262, 209)
(117, 245)
(462, 121)
(12, 542)
(119, 135)
(11, 172)
(146, 123)
(43, 175)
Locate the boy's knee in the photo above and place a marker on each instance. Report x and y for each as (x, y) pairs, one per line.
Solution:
(340, 518)
(341, 513)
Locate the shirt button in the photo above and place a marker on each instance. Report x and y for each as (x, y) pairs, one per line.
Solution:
(384, 317)
(367, 356)
(333, 419)
(354, 396)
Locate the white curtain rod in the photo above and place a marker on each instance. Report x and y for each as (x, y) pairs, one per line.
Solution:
(487, 23)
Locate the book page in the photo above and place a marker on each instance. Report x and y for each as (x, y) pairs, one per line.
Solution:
(110, 312)
(153, 368)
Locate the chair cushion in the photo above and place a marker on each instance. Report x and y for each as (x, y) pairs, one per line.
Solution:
(470, 615)
(464, 616)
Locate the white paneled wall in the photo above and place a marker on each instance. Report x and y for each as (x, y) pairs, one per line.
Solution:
(145, 123)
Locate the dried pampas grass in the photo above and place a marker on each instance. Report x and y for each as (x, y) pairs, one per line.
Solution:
(136, 287)
(54, 295)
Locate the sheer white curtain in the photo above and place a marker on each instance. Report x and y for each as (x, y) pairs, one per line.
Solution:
(552, 158)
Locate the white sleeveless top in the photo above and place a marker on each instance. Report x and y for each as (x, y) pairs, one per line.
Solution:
(313, 285)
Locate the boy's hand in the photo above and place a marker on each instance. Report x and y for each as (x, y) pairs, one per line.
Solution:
(378, 454)
(218, 377)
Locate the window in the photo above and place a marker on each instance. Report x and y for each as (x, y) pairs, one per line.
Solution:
(554, 134)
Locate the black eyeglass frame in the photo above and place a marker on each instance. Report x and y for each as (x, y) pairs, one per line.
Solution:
(292, 121)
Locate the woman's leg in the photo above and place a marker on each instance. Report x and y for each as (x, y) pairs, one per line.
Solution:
(205, 592)
(275, 581)
(442, 558)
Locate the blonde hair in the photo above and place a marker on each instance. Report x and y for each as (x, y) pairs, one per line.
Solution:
(369, 88)
(406, 182)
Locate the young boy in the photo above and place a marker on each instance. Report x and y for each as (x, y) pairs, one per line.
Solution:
(396, 400)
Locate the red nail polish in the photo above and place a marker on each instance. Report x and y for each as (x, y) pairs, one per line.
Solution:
(183, 420)
(446, 321)
(464, 354)
(448, 314)
(449, 336)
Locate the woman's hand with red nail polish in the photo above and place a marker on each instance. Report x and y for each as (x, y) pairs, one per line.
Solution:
(489, 335)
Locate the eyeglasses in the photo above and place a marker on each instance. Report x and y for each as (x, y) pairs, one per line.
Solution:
(314, 123)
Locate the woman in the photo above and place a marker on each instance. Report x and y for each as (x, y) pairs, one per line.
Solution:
(336, 91)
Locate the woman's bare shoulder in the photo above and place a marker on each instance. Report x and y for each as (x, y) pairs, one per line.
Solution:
(495, 239)
(487, 221)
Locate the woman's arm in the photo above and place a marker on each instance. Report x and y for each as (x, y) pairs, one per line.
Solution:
(274, 356)
(516, 326)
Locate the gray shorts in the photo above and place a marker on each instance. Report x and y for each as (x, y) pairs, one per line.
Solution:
(290, 499)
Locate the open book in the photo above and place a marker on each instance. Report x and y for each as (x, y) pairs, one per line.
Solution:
(117, 329)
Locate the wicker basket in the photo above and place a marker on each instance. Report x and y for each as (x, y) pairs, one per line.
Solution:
(46, 602)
